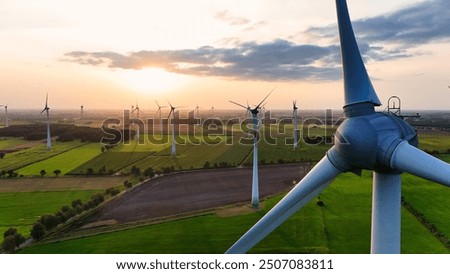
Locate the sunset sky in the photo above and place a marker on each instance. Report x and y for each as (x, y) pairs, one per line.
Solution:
(112, 54)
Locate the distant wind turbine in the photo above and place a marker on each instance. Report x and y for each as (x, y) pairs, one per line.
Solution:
(172, 111)
(196, 112)
(6, 115)
(46, 110)
(295, 116)
(82, 112)
(367, 140)
(255, 181)
(137, 109)
(160, 119)
(212, 111)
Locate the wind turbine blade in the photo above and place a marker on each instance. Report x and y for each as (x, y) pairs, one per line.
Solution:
(169, 104)
(357, 85)
(413, 160)
(170, 112)
(264, 98)
(308, 188)
(242, 106)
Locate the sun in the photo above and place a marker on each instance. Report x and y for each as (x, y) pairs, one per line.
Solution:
(151, 80)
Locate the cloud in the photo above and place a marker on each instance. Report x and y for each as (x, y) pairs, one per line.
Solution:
(394, 34)
(232, 20)
(385, 37)
(279, 60)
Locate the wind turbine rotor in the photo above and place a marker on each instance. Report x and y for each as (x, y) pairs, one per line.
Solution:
(369, 140)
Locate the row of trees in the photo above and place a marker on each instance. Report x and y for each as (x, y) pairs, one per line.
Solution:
(48, 222)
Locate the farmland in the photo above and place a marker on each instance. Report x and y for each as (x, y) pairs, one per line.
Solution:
(22, 201)
(342, 225)
(64, 162)
(21, 158)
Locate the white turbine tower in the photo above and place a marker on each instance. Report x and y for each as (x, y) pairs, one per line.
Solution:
(197, 112)
(212, 112)
(255, 180)
(46, 109)
(6, 115)
(371, 140)
(160, 118)
(172, 111)
(295, 116)
(82, 111)
(138, 110)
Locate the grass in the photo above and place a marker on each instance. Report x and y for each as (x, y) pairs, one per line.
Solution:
(9, 143)
(111, 161)
(22, 209)
(59, 183)
(434, 141)
(278, 146)
(192, 154)
(203, 234)
(347, 214)
(430, 199)
(65, 162)
(19, 159)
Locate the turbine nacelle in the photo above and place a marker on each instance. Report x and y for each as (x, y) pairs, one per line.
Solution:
(369, 141)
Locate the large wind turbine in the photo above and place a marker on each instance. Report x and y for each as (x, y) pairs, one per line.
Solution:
(255, 181)
(367, 139)
(160, 119)
(295, 116)
(172, 111)
(82, 111)
(46, 109)
(6, 115)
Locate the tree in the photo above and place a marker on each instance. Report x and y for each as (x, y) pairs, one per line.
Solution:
(49, 221)
(43, 172)
(76, 203)
(102, 149)
(207, 164)
(9, 243)
(135, 170)
(38, 231)
(149, 172)
(10, 173)
(10, 231)
(89, 171)
(57, 172)
(2, 155)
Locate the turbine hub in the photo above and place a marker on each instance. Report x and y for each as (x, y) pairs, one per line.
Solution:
(368, 141)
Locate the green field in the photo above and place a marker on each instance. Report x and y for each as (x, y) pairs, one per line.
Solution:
(342, 225)
(65, 162)
(111, 161)
(194, 156)
(18, 159)
(204, 234)
(22, 209)
(277, 146)
(347, 211)
(9, 143)
(430, 199)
